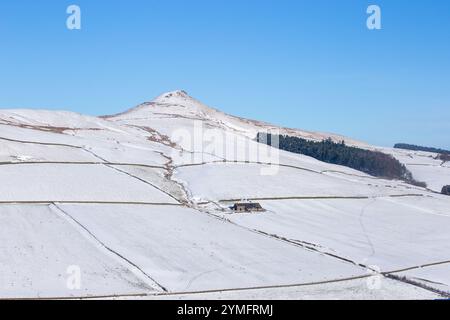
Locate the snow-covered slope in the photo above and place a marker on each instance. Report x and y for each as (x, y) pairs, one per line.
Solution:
(425, 166)
(138, 203)
(179, 105)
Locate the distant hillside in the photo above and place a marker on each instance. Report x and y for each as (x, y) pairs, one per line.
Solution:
(412, 147)
(375, 163)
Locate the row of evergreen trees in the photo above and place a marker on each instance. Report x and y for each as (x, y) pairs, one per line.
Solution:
(375, 163)
(412, 147)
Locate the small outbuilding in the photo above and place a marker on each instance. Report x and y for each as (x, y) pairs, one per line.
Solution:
(247, 207)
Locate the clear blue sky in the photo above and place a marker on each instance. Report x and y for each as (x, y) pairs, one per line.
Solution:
(309, 64)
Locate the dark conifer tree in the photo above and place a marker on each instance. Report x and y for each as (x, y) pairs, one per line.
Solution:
(375, 163)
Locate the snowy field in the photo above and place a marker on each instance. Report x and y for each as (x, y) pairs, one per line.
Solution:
(346, 290)
(435, 176)
(38, 247)
(424, 166)
(200, 252)
(213, 182)
(433, 276)
(362, 231)
(11, 151)
(135, 202)
(69, 182)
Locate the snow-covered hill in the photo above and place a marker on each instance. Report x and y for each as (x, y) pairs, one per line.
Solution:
(138, 204)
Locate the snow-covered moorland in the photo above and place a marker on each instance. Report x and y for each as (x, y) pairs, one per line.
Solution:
(137, 205)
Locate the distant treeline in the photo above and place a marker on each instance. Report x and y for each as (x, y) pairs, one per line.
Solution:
(412, 147)
(375, 163)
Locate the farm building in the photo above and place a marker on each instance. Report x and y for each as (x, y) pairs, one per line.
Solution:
(247, 207)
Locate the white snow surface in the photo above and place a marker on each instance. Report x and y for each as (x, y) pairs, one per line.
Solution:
(185, 250)
(136, 201)
(424, 166)
(38, 249)
(349, 290)
(389, 233)
(241, 181)
(60, 182)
